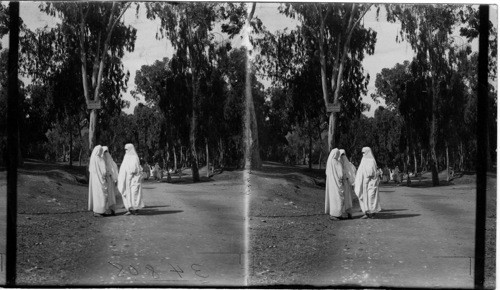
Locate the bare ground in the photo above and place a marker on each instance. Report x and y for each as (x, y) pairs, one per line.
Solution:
(408, 245)
(287, 227)
(60, 243)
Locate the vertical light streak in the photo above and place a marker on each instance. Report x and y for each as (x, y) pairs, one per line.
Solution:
(247, 30)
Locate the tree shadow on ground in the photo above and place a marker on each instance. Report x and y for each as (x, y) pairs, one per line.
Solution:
(394, 209)
(384, 215)
(380, 190)
(33, 164)
(426, 183)
(188, 180)
(278, 168)
(295, 174)
(157, 212)
(156, 206)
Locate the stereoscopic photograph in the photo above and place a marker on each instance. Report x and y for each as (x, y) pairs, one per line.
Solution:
(259, 144)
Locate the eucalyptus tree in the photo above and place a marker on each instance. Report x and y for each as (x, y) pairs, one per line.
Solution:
(164, 86)
(190, 29)
(429, 29)
(401, 89)
(306, 110)
(333, 34)
(96, 31)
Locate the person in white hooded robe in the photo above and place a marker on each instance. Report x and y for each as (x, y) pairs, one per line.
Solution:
(111, 180)
(334, 193)
(129, 181)
(349, 176)
(366, 184)
(97, 182)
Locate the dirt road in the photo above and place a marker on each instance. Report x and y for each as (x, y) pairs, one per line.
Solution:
(424, 237)
(188, 234)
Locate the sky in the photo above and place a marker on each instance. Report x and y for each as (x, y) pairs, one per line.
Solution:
(387, 51)
(148, 49)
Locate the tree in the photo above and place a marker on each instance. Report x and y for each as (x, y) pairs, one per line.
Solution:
(401, 88)
(48, 59)
(100, 35)
(188, 27)
(331, 26)
(252, 151)
(428, 29)
(332, 34)
(164, 87)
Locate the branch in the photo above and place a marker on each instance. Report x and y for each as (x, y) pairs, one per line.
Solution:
(359, 20)
(352, 25)
(111, 26)
(83, 54)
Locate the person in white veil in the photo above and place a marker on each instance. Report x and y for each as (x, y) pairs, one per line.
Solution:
(334, 193)
(366, 184)
(129, 181)
(349, 177)
(97, 182)
(111, 180)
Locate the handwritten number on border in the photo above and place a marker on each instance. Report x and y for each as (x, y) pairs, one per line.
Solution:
(119, 267)
(175, 270)
(134, 272)
(197, 271)
(153, 272)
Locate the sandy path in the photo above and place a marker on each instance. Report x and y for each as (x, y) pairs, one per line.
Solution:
(188, 234)
(423, 238)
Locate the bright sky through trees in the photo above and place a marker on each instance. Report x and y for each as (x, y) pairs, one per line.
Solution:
(148, 49)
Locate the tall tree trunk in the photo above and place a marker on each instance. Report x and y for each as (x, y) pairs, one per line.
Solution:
(415, 160)
(80, 156)
(319, 160)
(92, 129)
(407, 164)
(252, 150)
(422, 161)
(208, 160)
(461, 156)
(221, 153)
(192, 141)
(447, 163)
(175, 160)
(433, 133)
(71, 148)
(63, 152)
(332, 124)
(310, 148)
(182, 157)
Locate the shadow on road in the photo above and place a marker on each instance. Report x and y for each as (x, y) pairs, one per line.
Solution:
(156, 206)
(188, 180)
(388, 216)
(395, 209)
(157, 212)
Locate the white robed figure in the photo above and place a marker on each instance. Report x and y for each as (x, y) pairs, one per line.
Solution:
(111, 180)
(366, 184)
(334, 193)
(349, 176)
(129, 181)
(97, 182)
